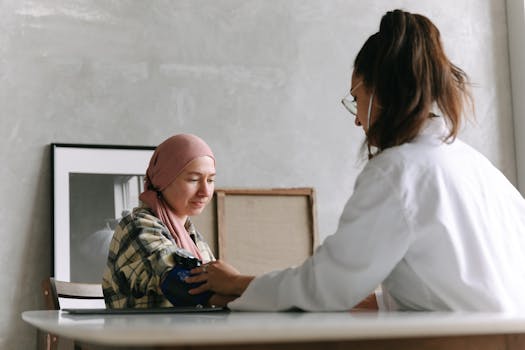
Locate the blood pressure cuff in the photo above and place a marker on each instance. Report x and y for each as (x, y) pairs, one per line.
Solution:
(173, 286)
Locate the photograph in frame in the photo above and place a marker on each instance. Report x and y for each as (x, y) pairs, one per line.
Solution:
(93, 186)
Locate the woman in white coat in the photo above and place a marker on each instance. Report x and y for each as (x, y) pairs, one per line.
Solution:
(430, 218)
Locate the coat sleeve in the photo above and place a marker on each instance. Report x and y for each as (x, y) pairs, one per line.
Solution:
(372, 237)
(140, 255)
(145, 261)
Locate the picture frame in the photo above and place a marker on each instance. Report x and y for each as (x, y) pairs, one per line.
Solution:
(92, 187)
(259, 230)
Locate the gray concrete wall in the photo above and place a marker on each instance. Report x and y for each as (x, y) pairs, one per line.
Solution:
(260, 80)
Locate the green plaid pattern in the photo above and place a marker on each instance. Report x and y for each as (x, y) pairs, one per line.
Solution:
(140, 254)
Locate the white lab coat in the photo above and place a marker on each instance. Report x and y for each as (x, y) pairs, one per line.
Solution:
(435, 223)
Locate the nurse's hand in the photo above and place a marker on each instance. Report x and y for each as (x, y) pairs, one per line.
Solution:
(221, 300)
(219, 277)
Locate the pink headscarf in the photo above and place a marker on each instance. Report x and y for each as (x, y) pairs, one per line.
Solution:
(167, 162)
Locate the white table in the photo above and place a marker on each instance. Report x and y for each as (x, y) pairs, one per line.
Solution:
(286, 330)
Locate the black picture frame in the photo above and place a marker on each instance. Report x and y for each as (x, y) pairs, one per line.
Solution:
(92, 186)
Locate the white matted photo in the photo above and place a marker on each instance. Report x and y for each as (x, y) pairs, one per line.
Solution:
(93, 187)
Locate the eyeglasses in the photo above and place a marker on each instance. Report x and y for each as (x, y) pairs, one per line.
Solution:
(349, 101)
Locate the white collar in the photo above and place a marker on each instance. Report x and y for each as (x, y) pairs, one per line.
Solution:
(435, 128)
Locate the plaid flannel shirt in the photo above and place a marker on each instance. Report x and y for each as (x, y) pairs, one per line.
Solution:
(140, 254)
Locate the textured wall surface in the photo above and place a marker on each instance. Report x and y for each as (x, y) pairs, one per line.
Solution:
(260, 80)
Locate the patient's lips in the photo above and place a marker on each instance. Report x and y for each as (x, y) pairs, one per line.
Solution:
(198, 204)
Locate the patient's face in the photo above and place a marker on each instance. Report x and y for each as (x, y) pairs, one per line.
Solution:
(193, 188)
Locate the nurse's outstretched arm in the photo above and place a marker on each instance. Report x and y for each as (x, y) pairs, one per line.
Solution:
(373, 236)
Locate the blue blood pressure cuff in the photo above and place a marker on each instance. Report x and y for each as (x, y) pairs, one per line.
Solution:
(175, 289)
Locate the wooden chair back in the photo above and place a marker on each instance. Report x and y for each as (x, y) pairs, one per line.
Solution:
(59, 295)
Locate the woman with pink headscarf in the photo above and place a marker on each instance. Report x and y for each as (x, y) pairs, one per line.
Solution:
(147, 246)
